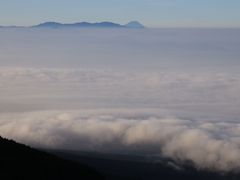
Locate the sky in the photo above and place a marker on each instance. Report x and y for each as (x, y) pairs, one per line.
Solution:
(152, 13)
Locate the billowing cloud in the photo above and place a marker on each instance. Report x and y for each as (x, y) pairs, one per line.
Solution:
(208, 144)
(184, 116)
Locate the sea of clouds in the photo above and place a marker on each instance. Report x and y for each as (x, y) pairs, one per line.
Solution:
(169, 92)
(208, 144)
(178, 115)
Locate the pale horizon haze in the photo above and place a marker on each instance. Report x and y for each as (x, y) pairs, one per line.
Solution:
(152, 13)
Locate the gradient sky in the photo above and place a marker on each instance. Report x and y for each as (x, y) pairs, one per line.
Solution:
(153, 13)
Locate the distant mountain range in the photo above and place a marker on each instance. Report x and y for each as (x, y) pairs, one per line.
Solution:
(132, 24)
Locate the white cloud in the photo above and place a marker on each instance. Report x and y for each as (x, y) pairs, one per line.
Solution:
(209, 144)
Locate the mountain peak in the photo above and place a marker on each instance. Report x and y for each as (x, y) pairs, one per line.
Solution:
(49, 24)
(134, 24)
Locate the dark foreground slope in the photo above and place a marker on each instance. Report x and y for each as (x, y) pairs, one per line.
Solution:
(121, 167)
(24, 163)
(19, 162)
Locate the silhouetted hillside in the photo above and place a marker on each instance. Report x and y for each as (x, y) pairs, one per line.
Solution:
(21, 162)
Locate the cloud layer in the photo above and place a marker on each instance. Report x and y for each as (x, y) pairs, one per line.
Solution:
(184, 116)
(208, 144)
(132, 50)
(46, 88)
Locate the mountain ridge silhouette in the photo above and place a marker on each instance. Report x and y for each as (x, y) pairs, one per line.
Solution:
(104, 24)
(20, 162)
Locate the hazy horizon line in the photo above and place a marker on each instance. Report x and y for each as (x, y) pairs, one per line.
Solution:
(146, 26)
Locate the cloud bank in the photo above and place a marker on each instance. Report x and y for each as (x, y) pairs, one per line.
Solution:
(208, 144)
(184, 116)
(46, 88)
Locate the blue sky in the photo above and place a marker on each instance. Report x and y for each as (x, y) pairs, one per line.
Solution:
(153, 13)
